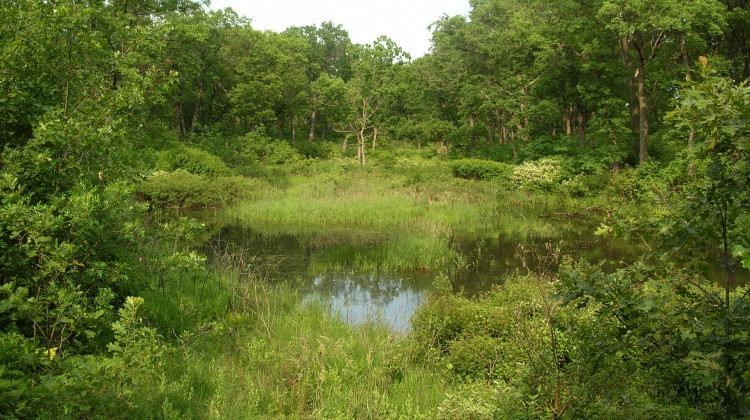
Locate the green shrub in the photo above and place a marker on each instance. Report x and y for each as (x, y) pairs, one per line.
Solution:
(184, 189)
(475, 357)
(261, 148)
(644, 182)
(309, 150)
(443, 320)
(479, 169)
(543, 174)
(195, 161)
(479, 401)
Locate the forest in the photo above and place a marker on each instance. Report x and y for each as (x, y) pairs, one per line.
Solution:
(545, 216)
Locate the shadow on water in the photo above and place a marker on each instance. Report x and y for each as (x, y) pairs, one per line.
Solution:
(322, 262)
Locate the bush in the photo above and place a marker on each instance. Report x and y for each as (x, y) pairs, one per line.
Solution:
(184, 189)
(195, 161)
(315, 150)
(475, 357)
(479, 169)
(543, 174)
(261, 148)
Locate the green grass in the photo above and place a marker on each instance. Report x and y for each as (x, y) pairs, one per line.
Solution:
(244, 350)
(409, 222)
(239, 347)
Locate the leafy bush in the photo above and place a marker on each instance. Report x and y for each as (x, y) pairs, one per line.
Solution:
(309, 150)
(543, 174)
(261, 148)
(476, 401)
(479, 169)
(475, 356)
(184, 189)
(537, 353)
(195, 161)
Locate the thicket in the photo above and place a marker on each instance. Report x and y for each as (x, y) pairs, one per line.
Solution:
(107, 312)
(480, 169)
(187, 190)
(189, 159)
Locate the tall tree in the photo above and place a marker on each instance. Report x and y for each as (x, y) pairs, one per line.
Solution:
(372, 69)
(328, 57)
(643, 29)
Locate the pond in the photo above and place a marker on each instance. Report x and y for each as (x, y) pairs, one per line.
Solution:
(340, 267)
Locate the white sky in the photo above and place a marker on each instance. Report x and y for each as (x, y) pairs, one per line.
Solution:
(404, 21)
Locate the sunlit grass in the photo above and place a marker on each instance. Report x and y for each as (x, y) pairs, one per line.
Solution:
(254, 352)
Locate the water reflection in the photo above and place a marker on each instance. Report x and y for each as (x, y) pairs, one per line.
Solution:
(390, 298)
(322, 261)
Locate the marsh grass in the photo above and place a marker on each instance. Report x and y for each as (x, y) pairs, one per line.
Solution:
(241, 348)
(409, 222)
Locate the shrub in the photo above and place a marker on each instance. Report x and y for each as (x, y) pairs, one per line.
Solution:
(543, 174)
(476, 401)
(479, 169)
(195, 161)
(315, 150)
(641, 184)
(475, 357)
(261, 148)
(443, 320)
(184, 189)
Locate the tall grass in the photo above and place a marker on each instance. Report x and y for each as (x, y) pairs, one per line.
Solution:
(413, 219)
(241, 348)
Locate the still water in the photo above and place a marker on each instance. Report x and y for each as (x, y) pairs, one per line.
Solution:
(318, 263)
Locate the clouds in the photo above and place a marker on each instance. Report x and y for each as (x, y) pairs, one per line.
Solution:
(404, 21)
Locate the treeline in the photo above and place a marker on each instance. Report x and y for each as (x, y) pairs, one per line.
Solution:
(539, 75)
(98, 94)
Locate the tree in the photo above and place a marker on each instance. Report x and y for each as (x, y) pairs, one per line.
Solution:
(195, 49)
(365, 94)
(674, 307)
(327, 59)
(643, 29)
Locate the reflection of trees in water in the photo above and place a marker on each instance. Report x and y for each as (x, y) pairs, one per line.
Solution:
(293, 253)
(390, 298)
(380, 288)
(482, 262)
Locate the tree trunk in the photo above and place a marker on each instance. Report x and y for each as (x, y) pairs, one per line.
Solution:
(642, 102)
(197, 108)
(643, 116)
(634, 108)
(686, 64)
(361, 149)
(346, 140)
(374, 138)
(683, 51)
(294, 131)
(180, 116)
(313, 116)
(522, 123)
(580, 127)
(581, 130)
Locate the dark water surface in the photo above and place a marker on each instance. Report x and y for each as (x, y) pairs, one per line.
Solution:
(320, 262)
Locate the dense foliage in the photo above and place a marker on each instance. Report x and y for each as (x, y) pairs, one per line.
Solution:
(630, 110)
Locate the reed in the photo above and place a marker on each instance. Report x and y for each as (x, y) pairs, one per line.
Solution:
(250, 350)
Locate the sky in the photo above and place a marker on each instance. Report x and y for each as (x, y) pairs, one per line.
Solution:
(404, 21)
